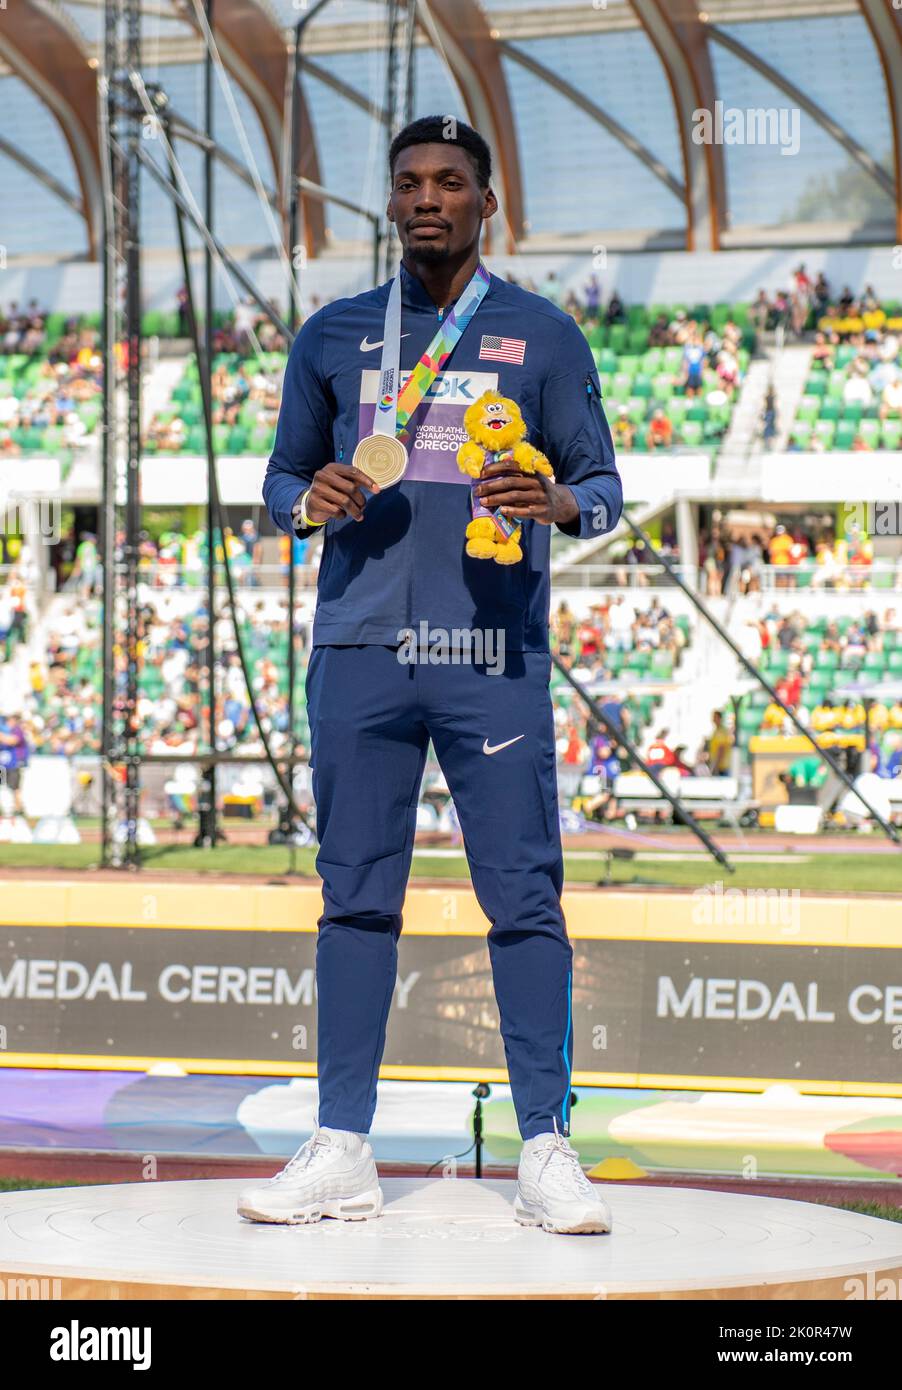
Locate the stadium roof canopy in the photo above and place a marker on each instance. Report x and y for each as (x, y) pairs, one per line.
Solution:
(592, 109)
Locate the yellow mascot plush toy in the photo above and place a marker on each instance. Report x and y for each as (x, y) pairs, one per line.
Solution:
(497, 434)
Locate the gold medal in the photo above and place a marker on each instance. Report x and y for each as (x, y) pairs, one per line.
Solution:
(381, 457)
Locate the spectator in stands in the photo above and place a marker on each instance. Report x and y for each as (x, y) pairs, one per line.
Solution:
(660, 754)
(621, 616)
(592, 297)
(616, 313)
(759, 312)
(714, 562)
(563, 627)
(769, 419)
(821, 293)
(789, 687)
(14, 754)
(623, 430)
(245, 321)
(780, 309)
(693, 365)
(660, 430)
(87, 561)
(181, 301)
(891, 400)
(857, 389)
(728, 367)
(659, 333)
(779, 551)
(719, 747)
(798, 313)
(823, 353)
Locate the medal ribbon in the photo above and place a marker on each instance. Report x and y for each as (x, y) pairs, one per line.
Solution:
(393, 411)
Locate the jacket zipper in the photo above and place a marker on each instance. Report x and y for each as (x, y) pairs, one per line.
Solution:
(414, 508)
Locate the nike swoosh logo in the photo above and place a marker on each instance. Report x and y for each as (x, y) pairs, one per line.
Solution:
(367, 346)
(486, 747)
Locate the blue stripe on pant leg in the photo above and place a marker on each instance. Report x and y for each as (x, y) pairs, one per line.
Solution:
(566, 1053)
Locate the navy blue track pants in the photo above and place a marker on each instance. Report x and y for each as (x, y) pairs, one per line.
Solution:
(371, 719)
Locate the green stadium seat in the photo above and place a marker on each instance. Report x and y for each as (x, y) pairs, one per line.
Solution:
(617, 334)
(830, 410)
(801, 433)
(809, 409)
(261, 440)
(692, 433)
(816, 386)
(845, 435)
(891, 434)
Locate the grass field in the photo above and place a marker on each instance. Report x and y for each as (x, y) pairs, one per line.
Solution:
(834, 873)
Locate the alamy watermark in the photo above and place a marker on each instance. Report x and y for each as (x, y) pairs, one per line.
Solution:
(757, 125)
(873, 518)
(716, 906)
(35, 518)
(452, 646)
(22, 1288)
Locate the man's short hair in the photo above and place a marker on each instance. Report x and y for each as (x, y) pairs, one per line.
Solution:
(437, 130)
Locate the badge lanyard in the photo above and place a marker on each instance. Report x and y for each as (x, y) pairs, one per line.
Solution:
(393, 411)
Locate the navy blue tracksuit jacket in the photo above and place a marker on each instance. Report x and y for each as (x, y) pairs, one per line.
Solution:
(374, 710)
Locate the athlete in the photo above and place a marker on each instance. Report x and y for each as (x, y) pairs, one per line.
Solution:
(394, 566)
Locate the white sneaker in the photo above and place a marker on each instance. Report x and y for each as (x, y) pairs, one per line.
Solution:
(553, 1191)
(332, 1174)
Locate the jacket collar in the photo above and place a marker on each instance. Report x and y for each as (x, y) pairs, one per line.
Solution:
(415, 295)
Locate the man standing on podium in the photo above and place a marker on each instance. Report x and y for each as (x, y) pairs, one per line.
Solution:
(375, 389)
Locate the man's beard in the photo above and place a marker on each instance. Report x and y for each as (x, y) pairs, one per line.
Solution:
(430, 254)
